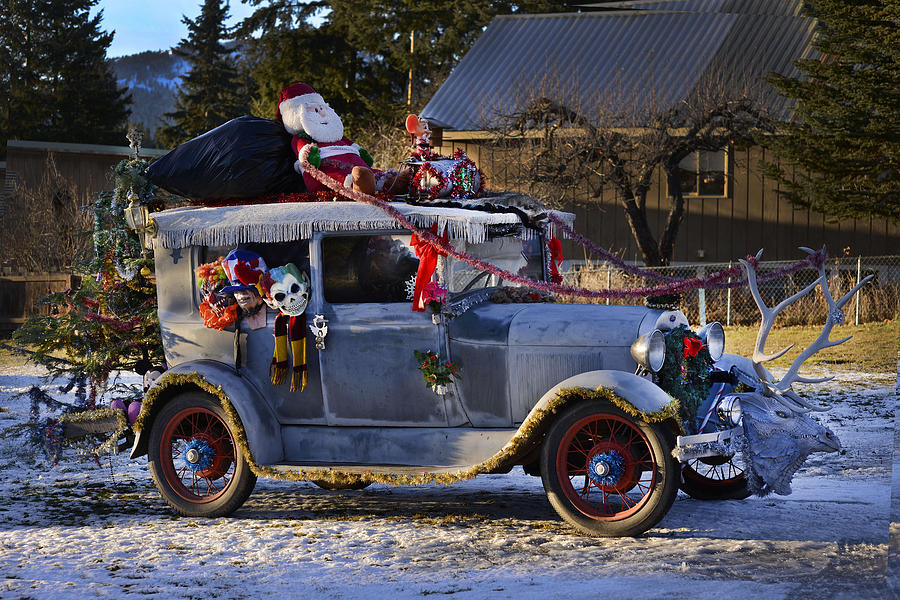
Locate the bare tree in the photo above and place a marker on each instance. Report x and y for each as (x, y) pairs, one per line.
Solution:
(42, 227)
(621, 142)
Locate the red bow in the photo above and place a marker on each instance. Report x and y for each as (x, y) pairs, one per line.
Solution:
(428, 255)
(556, 258)
(692, 347)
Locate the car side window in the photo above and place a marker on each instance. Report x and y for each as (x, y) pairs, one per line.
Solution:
(368, 268)
(276, 254)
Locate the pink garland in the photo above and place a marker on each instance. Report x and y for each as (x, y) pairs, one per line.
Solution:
(716, 280)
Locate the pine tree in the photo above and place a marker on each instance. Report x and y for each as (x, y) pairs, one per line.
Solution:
(59, 85)
(845, 138)
(211, 93)
(109, 323)
(358, 57)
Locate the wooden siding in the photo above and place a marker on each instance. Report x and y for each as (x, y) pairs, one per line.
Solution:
(753, 216)
(86, 167)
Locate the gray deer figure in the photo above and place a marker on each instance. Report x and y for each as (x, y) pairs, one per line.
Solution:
(778, 432)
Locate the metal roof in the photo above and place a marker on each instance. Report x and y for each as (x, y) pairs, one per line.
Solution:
(786, 8)
(602, 61)
(38, 146)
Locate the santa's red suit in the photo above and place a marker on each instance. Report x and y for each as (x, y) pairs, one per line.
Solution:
(338, 159)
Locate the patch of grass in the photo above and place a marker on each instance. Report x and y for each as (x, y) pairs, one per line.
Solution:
(873, 348)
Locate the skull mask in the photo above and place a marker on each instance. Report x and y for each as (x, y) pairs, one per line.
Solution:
(289, 290)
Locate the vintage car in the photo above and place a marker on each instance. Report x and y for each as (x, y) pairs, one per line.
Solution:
(567, 391)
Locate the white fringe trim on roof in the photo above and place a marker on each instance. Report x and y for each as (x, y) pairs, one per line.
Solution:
(268, 223)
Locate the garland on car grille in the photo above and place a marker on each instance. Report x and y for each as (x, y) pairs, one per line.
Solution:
(525, 439)
(715, 280)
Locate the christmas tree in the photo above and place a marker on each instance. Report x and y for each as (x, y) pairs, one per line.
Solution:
(109, 323)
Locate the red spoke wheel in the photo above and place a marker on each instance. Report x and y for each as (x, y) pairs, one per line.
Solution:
(195, 461)
(607, 473)
(714, 478)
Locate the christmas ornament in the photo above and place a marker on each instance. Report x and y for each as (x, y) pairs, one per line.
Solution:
(134, 409)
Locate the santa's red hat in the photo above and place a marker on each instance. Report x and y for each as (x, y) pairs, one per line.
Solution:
(304, 92)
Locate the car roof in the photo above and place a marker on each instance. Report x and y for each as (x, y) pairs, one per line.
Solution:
(267, 223)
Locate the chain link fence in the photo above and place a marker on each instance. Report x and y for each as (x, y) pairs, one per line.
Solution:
(876, 301)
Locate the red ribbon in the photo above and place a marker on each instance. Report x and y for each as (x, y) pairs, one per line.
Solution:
(692, 346)
(556, 258)
(428, 254)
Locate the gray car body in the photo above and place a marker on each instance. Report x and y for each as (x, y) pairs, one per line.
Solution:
(367, 404)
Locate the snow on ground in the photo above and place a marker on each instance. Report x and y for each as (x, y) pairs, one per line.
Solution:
(78, 530)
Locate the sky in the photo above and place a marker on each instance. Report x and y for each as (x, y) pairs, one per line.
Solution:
(153, 24)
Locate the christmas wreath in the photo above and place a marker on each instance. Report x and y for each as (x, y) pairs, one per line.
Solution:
(685, 372)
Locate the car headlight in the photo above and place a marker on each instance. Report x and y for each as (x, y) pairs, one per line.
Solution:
(649, 350)
(729, 410)
(713, 337)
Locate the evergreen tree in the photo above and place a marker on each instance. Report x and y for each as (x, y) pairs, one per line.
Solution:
(845, 137)
(211, 93)
(358, 57)
(58, 85)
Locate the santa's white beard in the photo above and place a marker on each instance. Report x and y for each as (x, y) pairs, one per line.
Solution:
(322, 128)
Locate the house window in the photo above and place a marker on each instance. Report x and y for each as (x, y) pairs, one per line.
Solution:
(705, 174)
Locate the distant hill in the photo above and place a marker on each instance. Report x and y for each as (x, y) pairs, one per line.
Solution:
(153, 79)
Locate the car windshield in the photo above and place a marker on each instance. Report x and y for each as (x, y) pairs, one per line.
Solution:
(510, 253)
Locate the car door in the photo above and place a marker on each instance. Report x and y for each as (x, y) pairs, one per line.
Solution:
(369, 372)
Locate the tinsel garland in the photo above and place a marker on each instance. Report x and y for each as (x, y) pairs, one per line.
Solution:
(100, 414)
(683, 376)
(49, 433)
(715, 280)
(428, 170)
(526, 438)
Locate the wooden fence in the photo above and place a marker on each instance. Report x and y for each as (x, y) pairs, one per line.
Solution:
(19, 295)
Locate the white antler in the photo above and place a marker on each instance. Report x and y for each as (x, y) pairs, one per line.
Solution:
(781, 390)
(835, 316)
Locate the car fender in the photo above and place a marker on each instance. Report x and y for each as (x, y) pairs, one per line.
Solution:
(257, 423)
(641, 394)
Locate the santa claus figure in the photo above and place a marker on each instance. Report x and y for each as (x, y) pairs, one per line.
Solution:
(307, 117)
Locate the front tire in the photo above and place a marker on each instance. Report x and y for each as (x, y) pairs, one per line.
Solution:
(196, 464)
(607, 473)
(714, 478)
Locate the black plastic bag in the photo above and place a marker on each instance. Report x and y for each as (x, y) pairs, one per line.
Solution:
(243, 158)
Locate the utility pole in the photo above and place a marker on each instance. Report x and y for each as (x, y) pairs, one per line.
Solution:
(412, 51)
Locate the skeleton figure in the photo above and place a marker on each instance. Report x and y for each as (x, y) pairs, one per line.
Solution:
(287, 290)
(776, 442)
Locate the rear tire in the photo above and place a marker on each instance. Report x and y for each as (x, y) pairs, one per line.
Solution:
(607, 473)
(196, 464)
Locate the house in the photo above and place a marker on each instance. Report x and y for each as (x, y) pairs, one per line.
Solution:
(85, 167)
(81, 170)
(641, 51)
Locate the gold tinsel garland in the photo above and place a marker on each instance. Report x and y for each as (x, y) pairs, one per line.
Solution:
(100, 414)
(523, 441)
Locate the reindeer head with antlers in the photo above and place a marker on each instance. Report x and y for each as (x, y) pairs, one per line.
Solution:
(781, 390)
(778, 432)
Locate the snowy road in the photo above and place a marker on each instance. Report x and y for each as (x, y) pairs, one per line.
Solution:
(78, 530)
